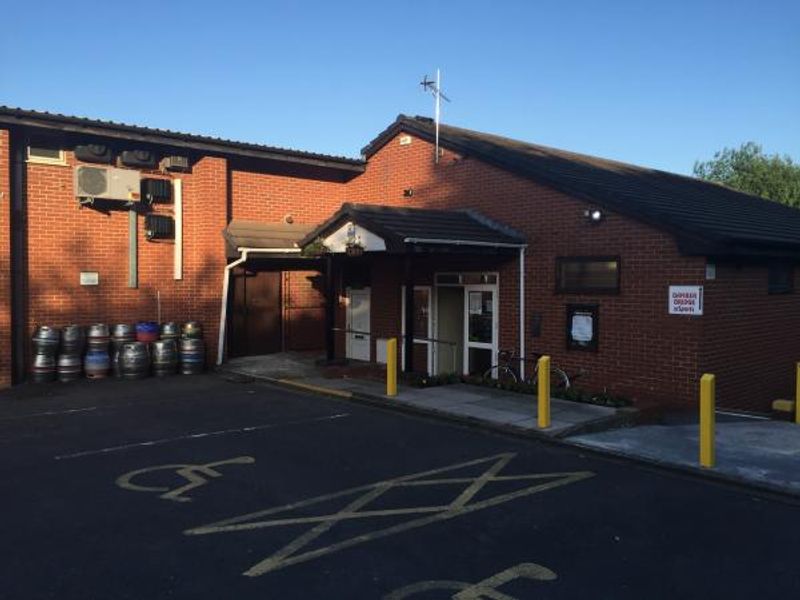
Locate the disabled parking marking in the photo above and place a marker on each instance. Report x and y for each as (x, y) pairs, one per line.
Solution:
(196, 475)
(462, 504)
(486, 589)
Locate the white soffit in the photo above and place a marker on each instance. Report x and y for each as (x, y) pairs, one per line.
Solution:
(337, 241)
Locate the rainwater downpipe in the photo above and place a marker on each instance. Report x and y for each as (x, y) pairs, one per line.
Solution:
(223, 314)
(522, 313)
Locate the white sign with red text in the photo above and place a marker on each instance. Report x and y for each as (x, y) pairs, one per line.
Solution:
(686, 299)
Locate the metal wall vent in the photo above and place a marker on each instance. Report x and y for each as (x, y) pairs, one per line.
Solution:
(96, 153)
(159, 227)
(156, 190)
(138, 158)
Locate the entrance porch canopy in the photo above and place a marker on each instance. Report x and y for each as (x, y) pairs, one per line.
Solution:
(357, 229)
(372, 229)
(397, 230)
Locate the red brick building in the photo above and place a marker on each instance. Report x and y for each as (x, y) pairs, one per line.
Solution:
(640, 278)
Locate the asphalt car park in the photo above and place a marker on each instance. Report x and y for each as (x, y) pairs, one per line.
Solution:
(201, 487)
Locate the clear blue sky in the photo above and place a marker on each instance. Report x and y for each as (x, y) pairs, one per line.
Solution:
(657, 83)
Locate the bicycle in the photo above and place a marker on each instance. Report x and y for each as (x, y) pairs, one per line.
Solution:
(506, 372)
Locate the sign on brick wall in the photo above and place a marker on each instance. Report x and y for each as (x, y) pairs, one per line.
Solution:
(686, 299)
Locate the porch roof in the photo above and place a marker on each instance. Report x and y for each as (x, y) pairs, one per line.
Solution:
(252, 234)
(398, 228)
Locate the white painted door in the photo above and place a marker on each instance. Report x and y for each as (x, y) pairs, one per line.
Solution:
(480, 328)
(358, 331)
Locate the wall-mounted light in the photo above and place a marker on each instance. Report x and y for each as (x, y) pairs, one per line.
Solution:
(408, 192)
(593, 215)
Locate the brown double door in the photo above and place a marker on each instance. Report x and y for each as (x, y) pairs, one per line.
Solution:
(255, 313)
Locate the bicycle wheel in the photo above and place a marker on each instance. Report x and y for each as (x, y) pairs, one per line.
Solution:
(500, 374)
(559, 379)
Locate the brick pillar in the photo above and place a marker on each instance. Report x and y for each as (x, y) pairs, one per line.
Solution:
(204, 218)
(5, 261)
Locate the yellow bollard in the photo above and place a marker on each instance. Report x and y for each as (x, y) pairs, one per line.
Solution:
(543, 374)
(391, 367)
(707, 443)
(797, 397)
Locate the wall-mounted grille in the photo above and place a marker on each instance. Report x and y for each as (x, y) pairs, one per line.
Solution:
(144, 159)
(94, 153)
(159, 227)
(156, 190)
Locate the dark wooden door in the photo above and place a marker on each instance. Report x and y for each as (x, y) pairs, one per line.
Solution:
(255, 313)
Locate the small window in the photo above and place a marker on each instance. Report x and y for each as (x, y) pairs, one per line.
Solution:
(781, 278)
(587, 275)
(582, 326)
(46, 155)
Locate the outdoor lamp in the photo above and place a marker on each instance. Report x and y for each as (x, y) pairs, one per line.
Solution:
(593, 215)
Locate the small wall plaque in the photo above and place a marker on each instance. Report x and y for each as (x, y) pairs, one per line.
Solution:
(90, 278)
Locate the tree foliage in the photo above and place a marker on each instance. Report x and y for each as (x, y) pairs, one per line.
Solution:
(748, 169)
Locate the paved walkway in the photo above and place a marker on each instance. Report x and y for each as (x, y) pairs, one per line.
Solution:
(759, 452)
(466, 402)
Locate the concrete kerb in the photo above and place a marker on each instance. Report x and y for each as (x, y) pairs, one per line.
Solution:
(625, 418)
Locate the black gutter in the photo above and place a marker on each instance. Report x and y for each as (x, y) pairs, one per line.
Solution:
(19, 255)
(205, 144)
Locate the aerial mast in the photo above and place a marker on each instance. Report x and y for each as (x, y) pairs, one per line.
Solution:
(435, 87)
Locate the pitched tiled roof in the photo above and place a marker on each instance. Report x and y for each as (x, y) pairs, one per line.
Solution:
(401, 226)
(82, 125)
(705, 217)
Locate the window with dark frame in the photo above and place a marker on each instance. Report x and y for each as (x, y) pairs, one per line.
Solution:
(583, 327)
(780, 278)
(587, 274)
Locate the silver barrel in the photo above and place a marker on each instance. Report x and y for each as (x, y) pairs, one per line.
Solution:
(170, 331)
(134, 360)
(68, 367)
(97, 337)
(192, 356)
(45, 340)
(73, 339)
(43, 368)
(165, 357)
(192, 330)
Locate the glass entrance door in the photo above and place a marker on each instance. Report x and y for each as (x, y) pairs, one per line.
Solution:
(480, 328)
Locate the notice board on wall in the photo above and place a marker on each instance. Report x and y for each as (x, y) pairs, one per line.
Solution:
(685, 300)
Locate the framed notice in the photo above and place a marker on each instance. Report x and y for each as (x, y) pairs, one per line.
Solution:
(90, 278)
(582, 326)
(685, 300)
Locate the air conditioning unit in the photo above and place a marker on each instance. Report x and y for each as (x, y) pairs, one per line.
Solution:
(111, 184)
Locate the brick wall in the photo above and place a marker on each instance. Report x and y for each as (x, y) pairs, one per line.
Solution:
(5, 260)
(65, 239)
(269, 197)
(750, 339)
(644, 353)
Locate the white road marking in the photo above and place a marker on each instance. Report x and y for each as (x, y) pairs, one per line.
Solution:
(50, 413)
(483, 589)
(290, 554)
(194, 436)
(196, 475)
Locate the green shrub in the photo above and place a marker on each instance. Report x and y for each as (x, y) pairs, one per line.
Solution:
(572, 394)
